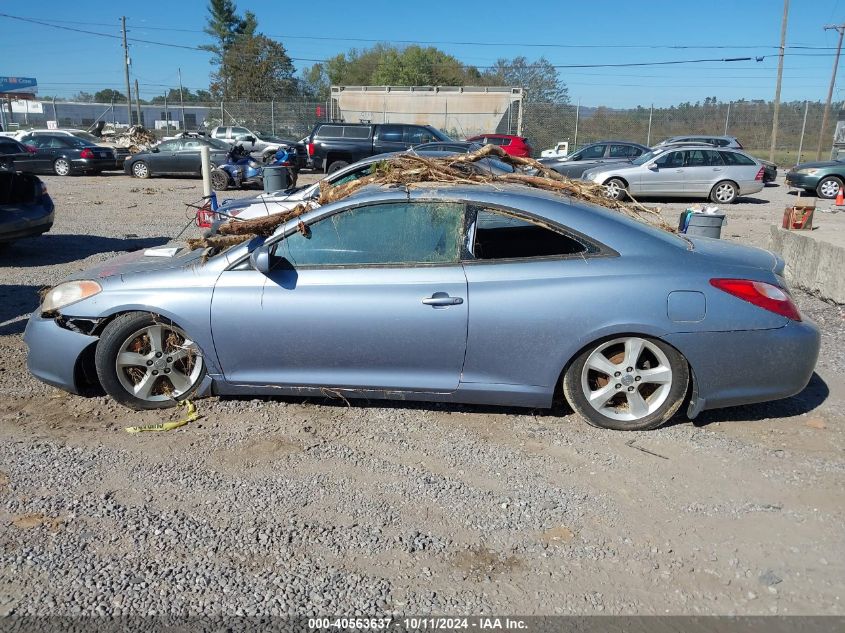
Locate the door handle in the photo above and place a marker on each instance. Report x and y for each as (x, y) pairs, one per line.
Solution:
(717, 169)
(442, 299)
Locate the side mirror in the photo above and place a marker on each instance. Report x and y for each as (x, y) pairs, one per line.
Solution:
(260, 259)
(654, 167)
(155, 150)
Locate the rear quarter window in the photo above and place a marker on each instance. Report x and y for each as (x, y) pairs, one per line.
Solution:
(735, 158)
(330, 131)
(350, 131)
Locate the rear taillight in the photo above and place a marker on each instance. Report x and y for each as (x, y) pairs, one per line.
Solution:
(31, 149)
(759, 175)
(86, 153)
(310, 149)
(763, 295)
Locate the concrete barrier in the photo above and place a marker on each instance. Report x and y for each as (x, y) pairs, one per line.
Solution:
(815, 260)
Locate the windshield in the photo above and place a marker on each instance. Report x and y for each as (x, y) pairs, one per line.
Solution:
(440, 135)
(644, 158)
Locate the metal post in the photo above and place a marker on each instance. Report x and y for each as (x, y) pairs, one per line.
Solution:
(776, 113)
(55, 116)
(727, 118)
(841, 29)
(803, 127)
(648, 135)
(126, 63)
(519, 117)
(222, 120)
(205, 163)
(112, 109)
(138, 103)
(273, 116)
(181, 99)
(166, 114)
(577, 114)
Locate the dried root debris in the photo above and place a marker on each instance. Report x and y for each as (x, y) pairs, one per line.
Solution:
(410, 169)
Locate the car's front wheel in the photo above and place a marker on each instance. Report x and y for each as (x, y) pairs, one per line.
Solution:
(615, 189)
(219, 180)
(140, 170)
(146, 362)
(629, 383)
(828, 187)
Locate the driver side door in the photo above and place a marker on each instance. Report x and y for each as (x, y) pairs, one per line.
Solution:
(369, 298)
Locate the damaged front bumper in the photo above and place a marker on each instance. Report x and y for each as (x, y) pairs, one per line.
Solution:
(56, 351)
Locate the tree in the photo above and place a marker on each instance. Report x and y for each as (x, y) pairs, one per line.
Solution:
(255, 68)
(540, 79)
(83, 96)
(225, 26)
(107, 95)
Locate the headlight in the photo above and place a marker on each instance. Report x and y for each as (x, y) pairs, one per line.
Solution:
(67, 293)
(809, 171)
(590, 175)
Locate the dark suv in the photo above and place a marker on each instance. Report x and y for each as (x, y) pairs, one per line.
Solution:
(333, 146)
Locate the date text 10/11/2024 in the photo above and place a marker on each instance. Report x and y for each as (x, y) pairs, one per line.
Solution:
(418, 623)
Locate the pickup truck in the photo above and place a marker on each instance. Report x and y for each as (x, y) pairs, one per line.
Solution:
(333, 146)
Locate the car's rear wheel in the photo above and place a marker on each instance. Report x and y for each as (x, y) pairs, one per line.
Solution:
(140, 170)
(828, 187)
(724, 192)
(61, 166)
(630, 383)
(616, 189)
(336, 165)
(147, 362)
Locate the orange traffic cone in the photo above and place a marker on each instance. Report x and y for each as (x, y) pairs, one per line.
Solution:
(840, 198)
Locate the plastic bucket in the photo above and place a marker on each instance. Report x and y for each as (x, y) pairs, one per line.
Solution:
(276, 179)
(702, 224)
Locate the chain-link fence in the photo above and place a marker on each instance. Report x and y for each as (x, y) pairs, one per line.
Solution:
(751, 122)
(545, 124)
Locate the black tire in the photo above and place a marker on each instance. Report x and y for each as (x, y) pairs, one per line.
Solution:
(140, 169)
(576, 379)
(62, 167)
(724, 192)
(219, 180)
(616, 189)
(338, 164)
(828, 187)
(129, 329)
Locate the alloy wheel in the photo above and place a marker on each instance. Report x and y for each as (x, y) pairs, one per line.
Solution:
(627, 379)
(725, 192)
(158, 363)
(140, 170)
(829, 188)
(61, 167)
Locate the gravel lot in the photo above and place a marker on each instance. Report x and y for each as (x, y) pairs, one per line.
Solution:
(277, 506)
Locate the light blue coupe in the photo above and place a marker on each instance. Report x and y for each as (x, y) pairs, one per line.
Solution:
(475, 293)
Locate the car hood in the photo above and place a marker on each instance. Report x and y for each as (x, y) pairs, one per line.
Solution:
(142, 261)
(819, 164)
(737, 254)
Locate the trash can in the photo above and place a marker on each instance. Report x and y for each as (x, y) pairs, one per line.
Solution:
(276, 179)
(701, 224)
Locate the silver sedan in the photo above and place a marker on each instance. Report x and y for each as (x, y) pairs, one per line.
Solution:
(722, 175)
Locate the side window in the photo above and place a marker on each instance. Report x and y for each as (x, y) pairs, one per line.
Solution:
(735, 158)
(170, 146)
(330, 131)
(592, 152)
(356, 131)
(220, 132)
(622, 151)
(721, 142)
(239, 131)
(695, 158)
(417, 135)
(499, 235)
(671, 159)
(393, 233)
(390, 133)
(355, 175)
(191, 145)
(712, 158)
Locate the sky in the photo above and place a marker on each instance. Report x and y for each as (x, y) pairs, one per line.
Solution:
(477, 32)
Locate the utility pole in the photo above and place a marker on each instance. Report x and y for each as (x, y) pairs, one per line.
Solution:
(780, 78)
(181, 100)
(138, 103)
(841, 29)
(126, 63)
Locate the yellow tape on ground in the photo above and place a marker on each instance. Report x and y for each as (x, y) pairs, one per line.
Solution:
(190, 416)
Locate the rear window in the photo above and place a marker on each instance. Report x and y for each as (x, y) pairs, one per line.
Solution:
(735, 158)
(9, 148)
